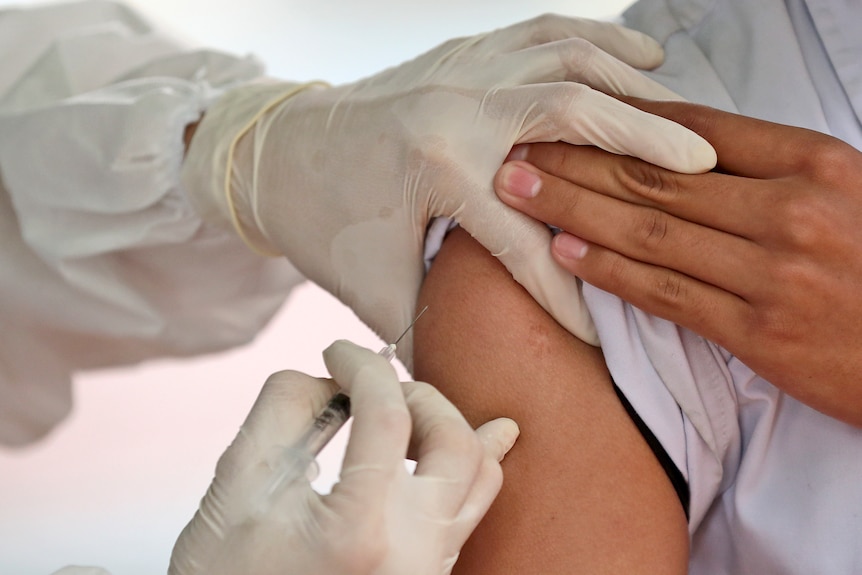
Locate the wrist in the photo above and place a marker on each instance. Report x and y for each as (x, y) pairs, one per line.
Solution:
(219, 168)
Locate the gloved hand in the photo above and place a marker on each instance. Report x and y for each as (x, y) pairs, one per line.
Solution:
(379, 519)
(344, 180)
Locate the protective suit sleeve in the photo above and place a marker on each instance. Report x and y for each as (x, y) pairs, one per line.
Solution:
(103, 260)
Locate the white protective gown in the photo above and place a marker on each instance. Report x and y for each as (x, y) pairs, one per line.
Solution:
(102, 259)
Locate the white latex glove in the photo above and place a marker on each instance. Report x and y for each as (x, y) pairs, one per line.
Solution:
(344, 180)
(379, 519)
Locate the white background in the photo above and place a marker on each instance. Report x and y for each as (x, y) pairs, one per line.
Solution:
(117, 482)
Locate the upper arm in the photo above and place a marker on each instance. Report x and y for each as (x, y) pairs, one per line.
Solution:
(583, 492)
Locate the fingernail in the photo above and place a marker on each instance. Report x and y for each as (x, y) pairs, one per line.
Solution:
(519, 182)
(570, 247)
(519, 152)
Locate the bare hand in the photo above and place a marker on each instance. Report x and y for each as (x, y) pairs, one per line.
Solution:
(762, 256)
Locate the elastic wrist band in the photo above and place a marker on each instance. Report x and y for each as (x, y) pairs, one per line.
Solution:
(234, 217)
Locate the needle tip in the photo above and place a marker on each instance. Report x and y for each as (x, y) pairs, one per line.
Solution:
(412, 323)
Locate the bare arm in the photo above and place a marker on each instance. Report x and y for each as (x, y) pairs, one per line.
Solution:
(583, 492)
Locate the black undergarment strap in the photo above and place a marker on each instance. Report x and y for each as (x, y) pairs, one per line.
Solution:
(673, 473)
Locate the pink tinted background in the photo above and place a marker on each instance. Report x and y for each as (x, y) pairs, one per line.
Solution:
(116, 483)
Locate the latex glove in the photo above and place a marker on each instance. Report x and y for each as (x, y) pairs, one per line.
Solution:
(772, 275)
(345, 180)
(379, 519)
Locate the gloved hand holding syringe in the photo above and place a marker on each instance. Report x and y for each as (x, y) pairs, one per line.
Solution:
(298, 460)
(380, 513)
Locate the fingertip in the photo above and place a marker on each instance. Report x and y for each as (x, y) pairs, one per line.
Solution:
(677, 132)
(498, 436)
(695, 155)
(650, 51)
(569, 247)
(703, 156)
(288, 384)
(337, 354)
(510, 431)
(682, 150)
(345, 360)
(284, 377)
(653, 52)
(343, 346)
(517, 180)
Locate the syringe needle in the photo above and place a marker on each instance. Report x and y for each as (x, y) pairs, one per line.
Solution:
(412, 323)
(296, 459)
(389, 351)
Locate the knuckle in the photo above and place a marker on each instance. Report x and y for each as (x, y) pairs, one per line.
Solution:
(565, 205)
(826, 158)
(286, 382)
(805, 221)
(583, 45)
(793, 276)
(360, 544)
(670, 290)
(651, 229)
(776, 325)
(556, 107)
(617, 274)
(420, 392)
(545, 28)
(648, 181)
(547, 21)
(462, 446)
(456, 436)
(566, 99)
(784, 311)
(393, 419)
(580, 54)
(460, 441)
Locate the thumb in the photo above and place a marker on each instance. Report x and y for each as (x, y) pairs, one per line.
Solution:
(286, 405)
(285, 408)
(523, 245)
(353, 366)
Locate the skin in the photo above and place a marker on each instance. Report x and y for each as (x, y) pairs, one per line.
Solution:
(762, 256)
(583, 493)
(189, 133)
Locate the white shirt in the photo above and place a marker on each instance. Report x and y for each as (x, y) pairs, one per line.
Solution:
(102, 259)
(775, 486)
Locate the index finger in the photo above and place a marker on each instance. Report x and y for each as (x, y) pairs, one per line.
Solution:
(381, 426)
(745, 146)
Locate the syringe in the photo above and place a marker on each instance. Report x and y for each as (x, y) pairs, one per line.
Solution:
(298, 460)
